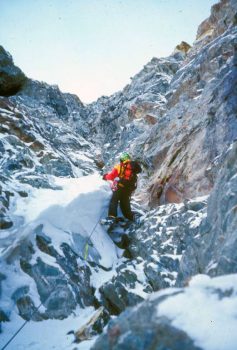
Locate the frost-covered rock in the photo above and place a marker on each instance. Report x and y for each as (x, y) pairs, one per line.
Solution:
(189, 318)
(120, 119)
(37, 141)
(43, 256)
(214, 251)
(156, 246)
(178, 115)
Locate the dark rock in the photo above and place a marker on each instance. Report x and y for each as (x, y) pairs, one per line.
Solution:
(52, 287)
(116, 297)
(142, 328)
(154, 277)
(27, 309)
(12, 78)
(23, 194)
(3, 317)
(5, 223)
(20, 292)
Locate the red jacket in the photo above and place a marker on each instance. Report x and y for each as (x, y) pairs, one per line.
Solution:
(116, 172)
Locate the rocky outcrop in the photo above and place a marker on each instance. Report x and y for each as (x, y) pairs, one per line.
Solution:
(39, 139)
(199, 123)
(12, 78)
(60, 289)
(223, 16)
(118, 121)
(217, 232)
(156, 246)
(171, 319)
(178, 114)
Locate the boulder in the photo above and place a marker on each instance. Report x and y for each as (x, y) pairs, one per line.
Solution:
(12, 78)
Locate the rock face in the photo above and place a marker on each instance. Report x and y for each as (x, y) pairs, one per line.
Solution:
(60, 290)
(42, 135)
(12, 78)
(200, 123)
(39, 138)
(142, 329)
(119, 120)
(157, 245)
(217, 232)
(169, 320)
(179, 113)
(223, 17)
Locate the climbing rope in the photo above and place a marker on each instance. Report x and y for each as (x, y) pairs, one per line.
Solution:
(26, 321)
(86, 248)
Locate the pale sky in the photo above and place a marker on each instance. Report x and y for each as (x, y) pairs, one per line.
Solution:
(93, 47)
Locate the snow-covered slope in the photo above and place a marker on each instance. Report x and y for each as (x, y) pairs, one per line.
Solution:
(67, 217)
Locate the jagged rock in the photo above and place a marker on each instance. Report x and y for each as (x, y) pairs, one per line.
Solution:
(223, 16)
(141, 328)
(28, 310)
(171, 319)
(79, 277)
(116, 297)
(214, 252)
(41, 132)
(184, 97)
(12, 78)
(52, 287)
(128, 114)
(157, 244)
(198, 126)
(183, 47)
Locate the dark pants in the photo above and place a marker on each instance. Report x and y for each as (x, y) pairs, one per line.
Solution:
(121, 197)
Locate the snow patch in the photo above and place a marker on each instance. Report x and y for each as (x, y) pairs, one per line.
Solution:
(206, 311)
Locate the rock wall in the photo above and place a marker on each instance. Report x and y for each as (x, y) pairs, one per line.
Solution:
(43, 132)
(214, 250)
(178, 115)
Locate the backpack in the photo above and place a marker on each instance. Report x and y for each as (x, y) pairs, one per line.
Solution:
(128, 174)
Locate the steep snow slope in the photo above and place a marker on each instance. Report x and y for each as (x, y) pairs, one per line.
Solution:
(72, 210)
(61, 218)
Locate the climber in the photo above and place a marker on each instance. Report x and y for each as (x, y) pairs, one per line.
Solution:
(124, 177)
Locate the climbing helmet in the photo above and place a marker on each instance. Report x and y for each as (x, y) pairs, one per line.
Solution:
(124, 156)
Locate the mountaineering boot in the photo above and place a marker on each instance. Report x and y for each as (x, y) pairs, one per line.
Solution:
(109, 221)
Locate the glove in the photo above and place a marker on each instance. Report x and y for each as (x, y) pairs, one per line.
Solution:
(104, 177)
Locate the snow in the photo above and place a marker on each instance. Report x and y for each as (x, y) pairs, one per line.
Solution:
(74, 210)
(48, 334)
(206, 311)
(64, 215)
(197, 221)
